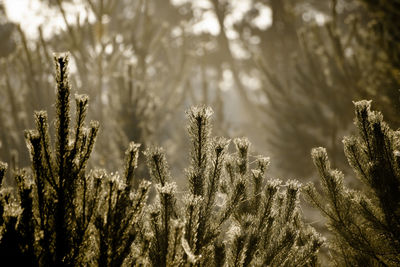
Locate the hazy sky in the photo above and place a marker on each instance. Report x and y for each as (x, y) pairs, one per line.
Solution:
(32, 13)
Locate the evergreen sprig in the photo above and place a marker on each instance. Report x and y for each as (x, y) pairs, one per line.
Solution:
(55, 219)
(365, 224)
(227, 220)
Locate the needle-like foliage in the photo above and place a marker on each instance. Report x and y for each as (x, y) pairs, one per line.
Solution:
(231, 215)
(62, 214)
(366, 224)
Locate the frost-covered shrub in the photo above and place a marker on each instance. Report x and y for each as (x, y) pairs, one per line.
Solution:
(231, 215)
(62, 214)
(365, 224)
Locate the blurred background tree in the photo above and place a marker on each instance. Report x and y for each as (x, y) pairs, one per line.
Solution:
(6, 28)
(314, 59)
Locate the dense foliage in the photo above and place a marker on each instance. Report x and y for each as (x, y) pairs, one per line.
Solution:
(61, 214)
